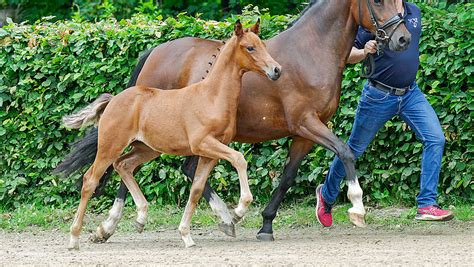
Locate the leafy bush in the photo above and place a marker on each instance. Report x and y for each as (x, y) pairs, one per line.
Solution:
(51, 69)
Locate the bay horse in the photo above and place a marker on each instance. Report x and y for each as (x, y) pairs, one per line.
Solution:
(199, 119)
(314, 51)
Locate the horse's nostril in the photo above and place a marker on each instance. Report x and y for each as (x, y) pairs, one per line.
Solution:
(277, 70)
(402, 40)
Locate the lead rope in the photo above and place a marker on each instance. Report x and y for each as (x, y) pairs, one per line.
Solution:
(368, 64)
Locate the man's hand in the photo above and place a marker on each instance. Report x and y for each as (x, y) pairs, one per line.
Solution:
(370, 47)
(357, 55)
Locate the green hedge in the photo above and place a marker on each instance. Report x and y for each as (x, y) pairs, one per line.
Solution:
(51, 69)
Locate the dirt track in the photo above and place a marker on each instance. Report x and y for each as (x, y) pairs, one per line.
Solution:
(435, 244)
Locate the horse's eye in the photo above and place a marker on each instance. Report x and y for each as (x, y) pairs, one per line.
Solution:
(377, 2)
(250, 48)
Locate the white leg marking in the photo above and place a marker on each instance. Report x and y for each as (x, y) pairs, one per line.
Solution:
(241, 210)
(142, 214)
(115, 214)
(220, 208)
(354, 193)
(73, 242)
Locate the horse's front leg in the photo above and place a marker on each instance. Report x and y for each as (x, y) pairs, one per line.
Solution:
(203, 169)
(298, 150)
(312, 128)
(218, 206)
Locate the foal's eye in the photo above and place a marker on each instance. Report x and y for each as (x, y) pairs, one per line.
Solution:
(250, 48)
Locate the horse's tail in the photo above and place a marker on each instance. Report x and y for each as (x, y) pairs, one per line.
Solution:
(85, 149)
(88, 115)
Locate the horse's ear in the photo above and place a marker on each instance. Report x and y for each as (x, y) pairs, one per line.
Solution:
(256, 28)
(238, 29)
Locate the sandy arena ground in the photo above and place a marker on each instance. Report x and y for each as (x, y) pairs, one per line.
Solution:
(434, 244)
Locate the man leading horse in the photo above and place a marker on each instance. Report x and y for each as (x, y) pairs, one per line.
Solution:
(391, 90)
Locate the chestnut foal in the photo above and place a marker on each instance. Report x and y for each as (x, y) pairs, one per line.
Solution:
(197, 120)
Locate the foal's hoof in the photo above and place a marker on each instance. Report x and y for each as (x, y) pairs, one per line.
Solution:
(100, 236)
(357, 219)
(228, 229)
(73, 244)
(265, 237)
(139, 226)
(236, 218)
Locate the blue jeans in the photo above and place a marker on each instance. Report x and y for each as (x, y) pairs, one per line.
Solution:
(375, 109)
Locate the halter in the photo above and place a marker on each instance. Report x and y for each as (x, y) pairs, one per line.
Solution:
(381, 36)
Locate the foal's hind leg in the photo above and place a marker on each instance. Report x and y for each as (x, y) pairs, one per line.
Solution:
(91, 180)
(313, 129)
(125, 166)
(204, 167)
(139, 154)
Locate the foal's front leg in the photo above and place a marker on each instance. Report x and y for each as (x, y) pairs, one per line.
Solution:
(213, 148)
(218, 206)
(204, 167)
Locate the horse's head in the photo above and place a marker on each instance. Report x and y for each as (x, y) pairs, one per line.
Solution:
(385, 19)
(252, 54)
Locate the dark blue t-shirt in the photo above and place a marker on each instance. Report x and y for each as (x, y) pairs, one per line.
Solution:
(397, 69)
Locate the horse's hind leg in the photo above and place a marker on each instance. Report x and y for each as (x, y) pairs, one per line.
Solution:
(203, 169)
(313, 129)
(107, 228)
(139, 154)
(90, 182)
(218, 206)
(125, 166)
(298, 150)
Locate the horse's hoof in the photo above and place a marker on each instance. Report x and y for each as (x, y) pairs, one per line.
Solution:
(100, 236)
(73, 244)
(228, 229)
(236, 218)
(95, 238)
(357, 219)
(139, 227)
(265, 237)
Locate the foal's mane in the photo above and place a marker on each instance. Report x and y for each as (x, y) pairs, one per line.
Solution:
(308, 7)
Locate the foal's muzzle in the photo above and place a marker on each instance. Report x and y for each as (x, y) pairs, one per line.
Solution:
(274, 73)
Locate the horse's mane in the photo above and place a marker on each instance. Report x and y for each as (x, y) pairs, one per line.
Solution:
(308, 7)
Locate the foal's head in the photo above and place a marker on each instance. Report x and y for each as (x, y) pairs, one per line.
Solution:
(251, 52)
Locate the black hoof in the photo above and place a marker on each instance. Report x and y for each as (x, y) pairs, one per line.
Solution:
(139, 227)
(265, 237)
(228, 229)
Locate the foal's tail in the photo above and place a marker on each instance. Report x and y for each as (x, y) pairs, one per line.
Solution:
(88, 115)
(84, 150)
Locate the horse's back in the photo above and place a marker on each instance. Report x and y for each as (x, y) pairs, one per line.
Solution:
(178, 63)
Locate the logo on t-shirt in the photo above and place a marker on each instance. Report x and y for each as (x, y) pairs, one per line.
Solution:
(414, 22)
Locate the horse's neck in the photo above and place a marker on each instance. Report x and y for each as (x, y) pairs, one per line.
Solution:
(326, 31)
(225, 78)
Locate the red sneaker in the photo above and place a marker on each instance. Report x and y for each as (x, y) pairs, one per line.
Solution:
(323, 209)
(433, 213)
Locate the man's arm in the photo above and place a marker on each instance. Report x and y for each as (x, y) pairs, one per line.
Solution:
(357, 55)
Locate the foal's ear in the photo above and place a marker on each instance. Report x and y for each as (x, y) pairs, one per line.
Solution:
(238, 29)
(256, 28)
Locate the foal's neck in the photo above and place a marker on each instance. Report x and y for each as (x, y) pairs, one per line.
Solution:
(225, 77)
